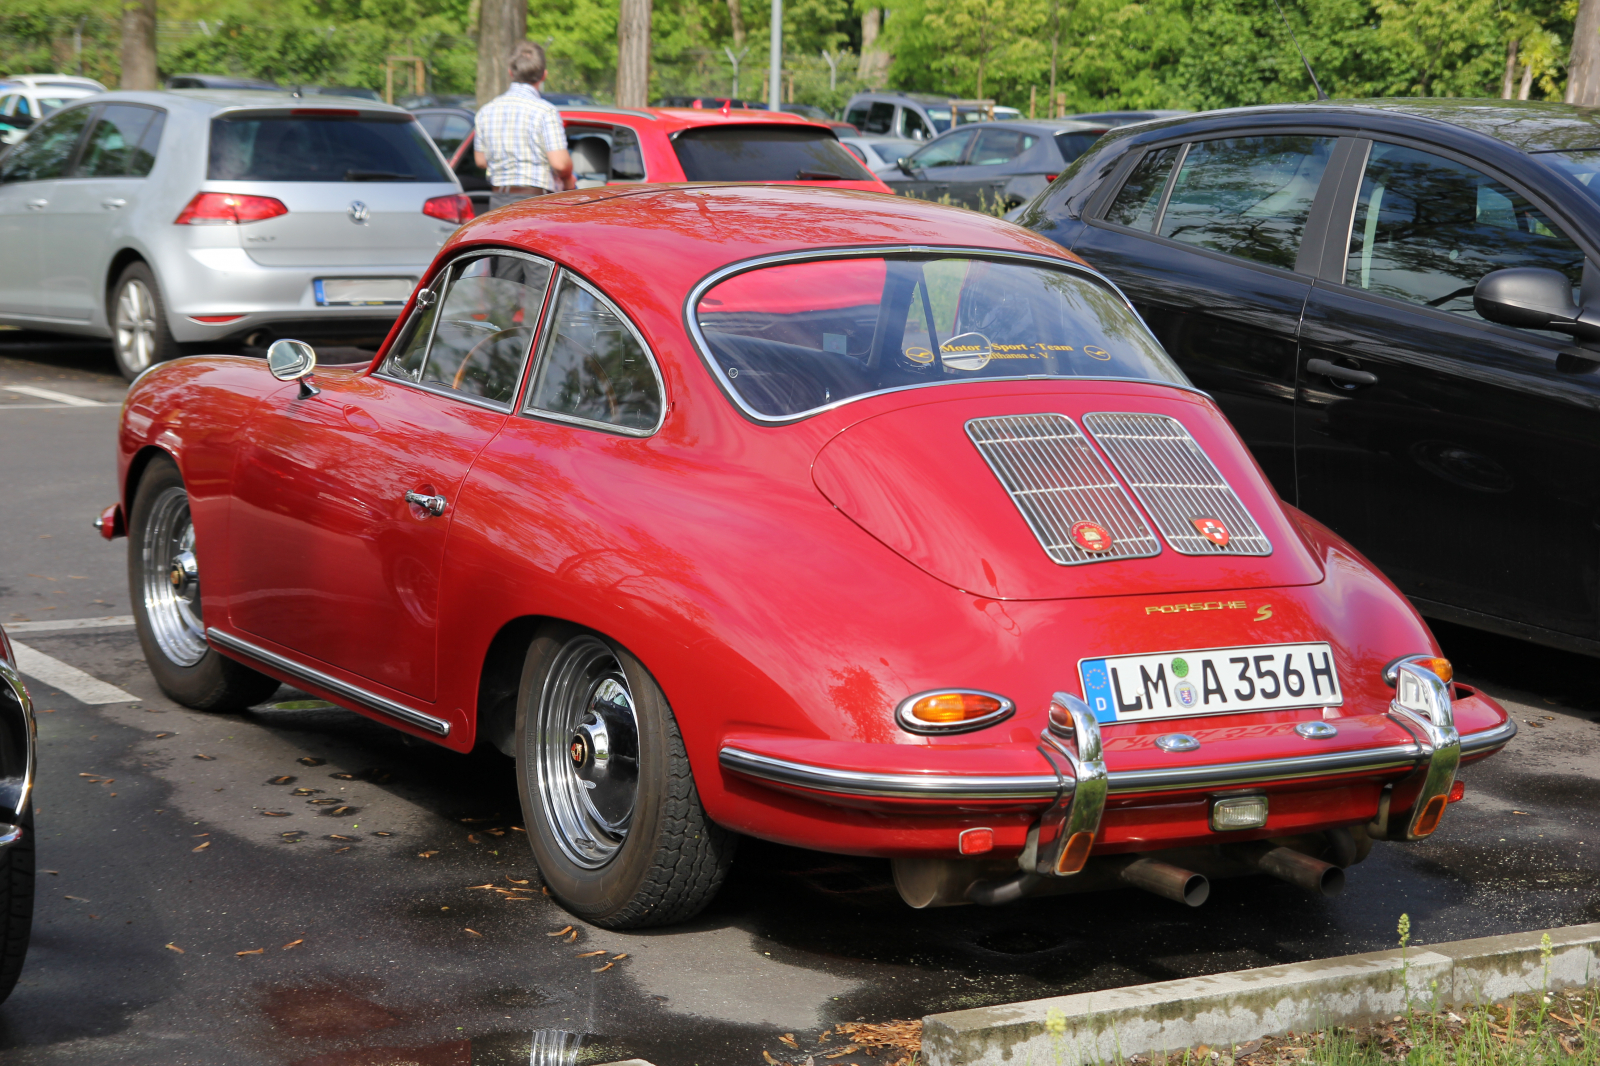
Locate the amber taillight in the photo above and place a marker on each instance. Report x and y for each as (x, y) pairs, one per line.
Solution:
(228, 209)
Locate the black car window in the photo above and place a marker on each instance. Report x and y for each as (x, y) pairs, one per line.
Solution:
(593, 366)
(324, 144)
(1072, 145)
(1427, 228)
(487, 317)
(857, 117)
(765, 153)
(1247, 196)
(122, 144)
(878, 119)
(996, 146)
(915, 127)
(47, 151)
(945, 152)
(1138, 202)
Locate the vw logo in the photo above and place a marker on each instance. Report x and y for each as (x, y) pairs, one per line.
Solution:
(359, 213)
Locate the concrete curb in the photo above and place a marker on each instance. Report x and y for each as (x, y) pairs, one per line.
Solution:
(1235, 1008)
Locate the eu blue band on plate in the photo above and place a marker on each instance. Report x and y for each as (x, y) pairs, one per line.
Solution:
(1097, 689)
(316, 289)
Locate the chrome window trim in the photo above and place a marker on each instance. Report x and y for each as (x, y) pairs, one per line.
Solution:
(448, 273)
(542, 343)
(903, 716)
(370, 700)
(692, 321)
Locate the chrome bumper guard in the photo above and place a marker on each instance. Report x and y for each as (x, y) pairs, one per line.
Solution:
(1422, 705)
(1067, 828)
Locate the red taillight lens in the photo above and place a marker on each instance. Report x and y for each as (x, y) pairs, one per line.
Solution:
(1458, 792)
(456, 208)
(228, 209)
(212, 320)
(1051, 177)
(975, 841)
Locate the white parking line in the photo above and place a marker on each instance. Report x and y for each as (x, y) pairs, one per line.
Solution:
(51, 394)
(69, 679)
(53, 625)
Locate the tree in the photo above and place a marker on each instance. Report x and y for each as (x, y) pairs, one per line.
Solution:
(633, 53)
(1583, 69)
(502, 24)
(139, 45)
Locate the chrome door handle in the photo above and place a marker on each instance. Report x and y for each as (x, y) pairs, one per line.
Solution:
(37, 205)
(1341, 373)
(434, 505)
(113, 202)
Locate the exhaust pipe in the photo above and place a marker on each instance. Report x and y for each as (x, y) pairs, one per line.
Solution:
(1298, 868)
(1168, 881)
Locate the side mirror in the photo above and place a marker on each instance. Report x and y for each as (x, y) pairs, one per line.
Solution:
(289, 360)
(904, 163)
(1534, 298)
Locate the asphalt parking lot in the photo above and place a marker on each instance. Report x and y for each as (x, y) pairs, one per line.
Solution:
(297, 884)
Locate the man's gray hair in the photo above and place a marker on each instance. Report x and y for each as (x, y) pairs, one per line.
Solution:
(527, 63)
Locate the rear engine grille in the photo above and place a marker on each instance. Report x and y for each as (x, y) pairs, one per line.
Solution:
(1057, 480)
(1178, 484)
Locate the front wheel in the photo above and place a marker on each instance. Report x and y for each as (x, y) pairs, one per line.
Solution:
(164, 587)
(608, 797)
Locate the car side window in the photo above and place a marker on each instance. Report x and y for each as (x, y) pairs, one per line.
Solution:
(1247, 196)
(916, 128)
(880, 119)
(485, 323)
(122, 144)
(995, 146)
(1427, 228)
(593, 366)
(1138, 202)
(857, 117)
(46, 152)
(947, 151)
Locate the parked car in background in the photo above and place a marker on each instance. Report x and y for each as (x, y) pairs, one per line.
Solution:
(1125, 118)
(162, 219)
(450, 128)
(1045, 628)
(464, 101)
(352, 91)
(913, 116)
(18, 769)
(27, 98)
(880, 154)
(1385, 298)
(610, 144)
(567, 99)
(217, 81)
(990, 165)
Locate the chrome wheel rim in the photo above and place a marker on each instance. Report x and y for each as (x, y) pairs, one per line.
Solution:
(586, 762)
(172, 579)
(136, 325)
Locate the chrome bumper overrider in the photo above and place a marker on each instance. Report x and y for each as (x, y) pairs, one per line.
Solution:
(929, 786)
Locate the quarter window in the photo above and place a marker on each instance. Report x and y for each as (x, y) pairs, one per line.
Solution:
(122, 144)
(594, 367)
(477, 340)
(1426, 229)
(47, 150)
(1247, 196)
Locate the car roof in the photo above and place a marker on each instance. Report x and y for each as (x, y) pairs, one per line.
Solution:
(1032, 125)
(211, 101)
(53, 81)
(1525, 125)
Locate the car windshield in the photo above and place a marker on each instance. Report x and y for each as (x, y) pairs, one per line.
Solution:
(765, 153)
(795, 337)
(322, 146)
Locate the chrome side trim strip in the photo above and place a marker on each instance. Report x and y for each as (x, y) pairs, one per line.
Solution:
(369, 700)
(890, 786)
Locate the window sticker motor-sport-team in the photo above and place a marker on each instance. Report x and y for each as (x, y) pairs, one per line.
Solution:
(1179, 684)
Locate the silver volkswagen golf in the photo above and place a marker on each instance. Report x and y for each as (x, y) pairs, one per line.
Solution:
(167, 220)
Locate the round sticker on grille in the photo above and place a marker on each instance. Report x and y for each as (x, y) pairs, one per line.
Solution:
(1091, 537)
(1213, 530)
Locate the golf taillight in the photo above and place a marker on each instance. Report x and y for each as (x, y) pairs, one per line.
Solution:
(228, 209)
(951, 711)
(455, 208)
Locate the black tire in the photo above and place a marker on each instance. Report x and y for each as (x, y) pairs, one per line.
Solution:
(137, 314)
(167, 614)
(670, 859)
(16, 904)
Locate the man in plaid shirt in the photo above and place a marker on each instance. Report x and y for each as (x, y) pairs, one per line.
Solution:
(520, 140)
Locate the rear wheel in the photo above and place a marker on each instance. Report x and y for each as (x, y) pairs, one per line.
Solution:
(140, 336)
(164, 587)
(608, 798)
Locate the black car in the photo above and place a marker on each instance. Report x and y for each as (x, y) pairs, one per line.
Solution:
(1331, 274)
(17, 769)
(985, 164)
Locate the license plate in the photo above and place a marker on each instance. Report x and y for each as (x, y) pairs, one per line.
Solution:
(362, 292)
(1180, 684)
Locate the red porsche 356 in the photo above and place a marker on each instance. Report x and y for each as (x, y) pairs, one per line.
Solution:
(856, 523)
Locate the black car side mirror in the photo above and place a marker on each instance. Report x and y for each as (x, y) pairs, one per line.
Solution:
(1535, 298)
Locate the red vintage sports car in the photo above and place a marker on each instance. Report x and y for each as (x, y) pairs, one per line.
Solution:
(856, 523)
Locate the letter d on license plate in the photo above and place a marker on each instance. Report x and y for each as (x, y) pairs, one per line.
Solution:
(1178, 684)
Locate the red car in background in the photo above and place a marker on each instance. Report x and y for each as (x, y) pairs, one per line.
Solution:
(851, 522)
(666, 144)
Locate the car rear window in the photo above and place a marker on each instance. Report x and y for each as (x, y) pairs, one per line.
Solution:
(797, 337)
(324, 146)
(765, 153)
(1072, 145)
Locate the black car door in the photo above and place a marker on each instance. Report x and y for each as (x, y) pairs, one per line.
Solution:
(1205, 238)
(1461, 456)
